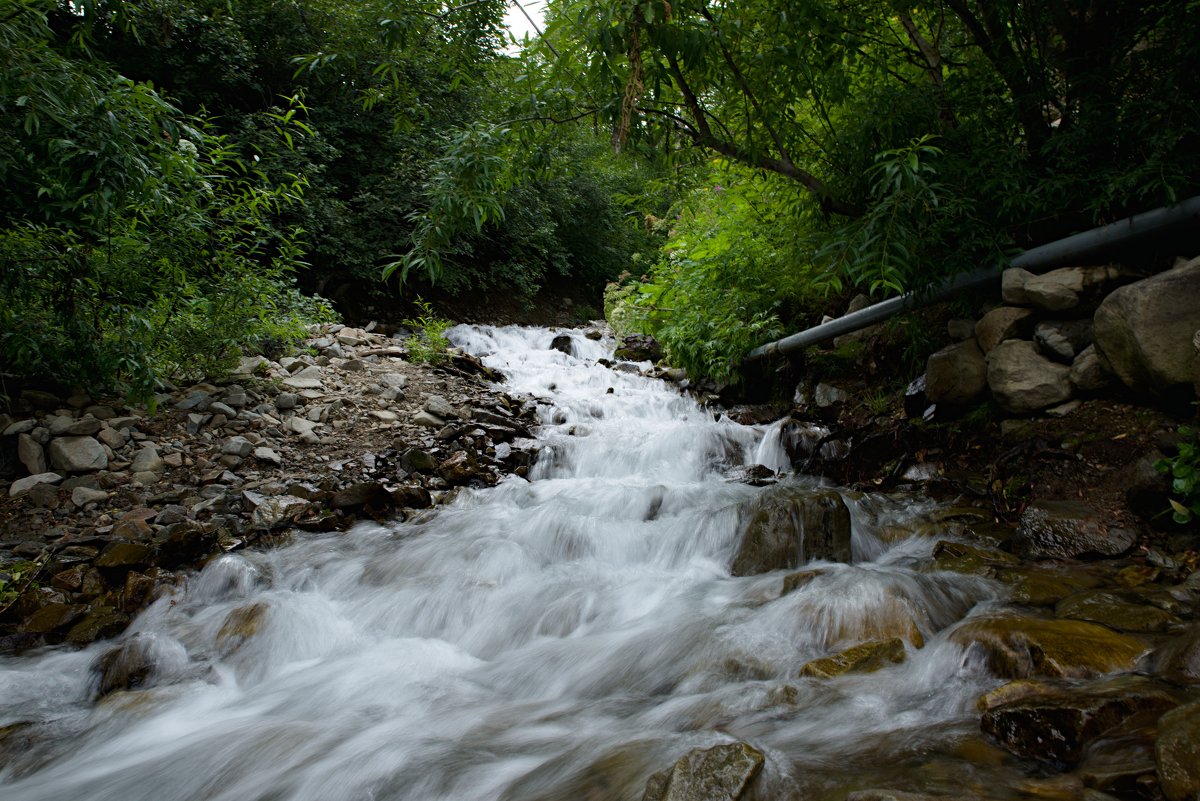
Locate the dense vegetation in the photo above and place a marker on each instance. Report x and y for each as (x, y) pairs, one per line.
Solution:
(174, 169)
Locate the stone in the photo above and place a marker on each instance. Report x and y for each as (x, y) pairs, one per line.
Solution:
(1018, 647)
(960, 329)
(308, 378)
(20, 427)
(1036, 585)
(363, 493)
(563, 344)
(459, 468)
(124, 554)
(100, 622)
(264, 454)
(415, 460)
(1144, 330)
(1062, 340)
(30, 452)
(277, 511)
(1089, 372)
(384, 415)
(1001, 324)
(865, 658)
(427, 420)
(786, 526)
(1177, 753)
(1024, 381)
(1067, 530)
(411, 497)
(1057, 724)
(440, 407)
(1068, 287)
(1121, 762)
(1012, 286)
(638, 348)
(183, 543)
(53, 617)
(237, 446)
(65, 426)
(956, 375)
(1110, 609)
(251, 365)
(113, 438)
(124, 667)
(827, 396)
(82, 496)
(974, 559)
(395, 380)
(23, 485)
(77, 454)
(1178, 660)
(354, 366)
(286, 400)
(721, 773)
(147, 460)
(217, 407)
(196, 401)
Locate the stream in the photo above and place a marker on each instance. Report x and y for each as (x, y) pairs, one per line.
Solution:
(562, 637)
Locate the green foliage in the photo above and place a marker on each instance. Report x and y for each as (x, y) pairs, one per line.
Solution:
(1184, 469)
(15, 578)
(428, 343)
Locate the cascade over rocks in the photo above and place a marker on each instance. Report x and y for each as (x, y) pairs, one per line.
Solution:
(787, 526)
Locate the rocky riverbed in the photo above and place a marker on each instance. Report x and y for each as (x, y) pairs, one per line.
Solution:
(107, 506)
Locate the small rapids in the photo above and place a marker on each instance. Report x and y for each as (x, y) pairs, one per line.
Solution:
(561, 637)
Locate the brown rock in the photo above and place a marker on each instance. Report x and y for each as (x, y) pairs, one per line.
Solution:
(721, 773)
(865, 658)
(1005, 322)
(1069, 529)
(1022, 647)
(957, 374)
(1177, 753)
(787, 526)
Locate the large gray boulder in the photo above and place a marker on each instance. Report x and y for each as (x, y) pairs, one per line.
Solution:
(77, 454)
(1067, 288)
(1144, 330)
(957, 374)
(787, 526)
(1024, 381)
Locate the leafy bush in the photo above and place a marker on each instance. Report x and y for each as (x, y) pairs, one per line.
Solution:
(1184, 469)
(428, 343)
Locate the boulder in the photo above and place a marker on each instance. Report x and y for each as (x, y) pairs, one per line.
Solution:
(30, 452)
(1089, 372)
(23, 485)
(1179, 659)
(1001, 324)
(957, 374)
(1057, 724)
(440, 407)
(562, 343)
(459, 468)
(1177, 753)
(147, 460)
(82, 496)
(99, 622)
(960, 329)
(125, 667)
(1067, 288)
(1062, 340)
(363, 493)
(721, 773)
(124, 554)
(639, 348)
(308, 378)
(1069, 529)
(1024, 381)
(237, 446)
(1110, 609)
(183, 543)
(77, 454)
(787, 526)
(1144, 330)
(277, 511)
(1012, 286)
(865, 658)
(1019, 647)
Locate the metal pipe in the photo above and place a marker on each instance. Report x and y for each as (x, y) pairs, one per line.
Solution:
(1034, 259)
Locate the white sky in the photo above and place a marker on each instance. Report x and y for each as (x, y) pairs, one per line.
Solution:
(516, 21)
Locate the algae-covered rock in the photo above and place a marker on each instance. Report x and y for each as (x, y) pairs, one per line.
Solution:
(865, 658)
(962, 558)
(1058, 724)
(721, 773)
(98, 623)
(1112, 610)
(1043, 587)
(1022, 647)
(787, 526)
(1068, 529)
(1177, 753)
(240, 625)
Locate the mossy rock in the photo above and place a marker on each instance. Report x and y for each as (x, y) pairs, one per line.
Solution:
(865, 658)
(787, 526)
(99, 623)
(1115, 612)
(721, 773)
(1020, 647)
(240, 625)
(959, 557)
(1177, 753)
(1040, 587)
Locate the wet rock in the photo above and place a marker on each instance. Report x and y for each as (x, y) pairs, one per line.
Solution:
(124, 554)
(865, 658)
(1024, 381)
(1002, 324)
(721, 773)
(184, 543)
(24, 485)
(1057, 725)
(241, 625)
(1179, 659)
(100, 622)
(1144, 330)
(53, 617)
(1069, 529)
(1110, 609)
(363, 493)
(411, 497)
(459, 468)
(77, 454)
(638, 348)
(1177, 753)
(563, 343)
(1042, 587)
(1121, 762)
(1022, 647)
(278, 511)
(125, 667)
(963, 558)
(787, 526)
(956, 375)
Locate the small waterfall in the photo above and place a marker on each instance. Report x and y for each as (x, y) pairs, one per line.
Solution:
(557, 638)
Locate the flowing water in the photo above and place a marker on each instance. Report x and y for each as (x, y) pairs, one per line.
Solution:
(557, 638)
